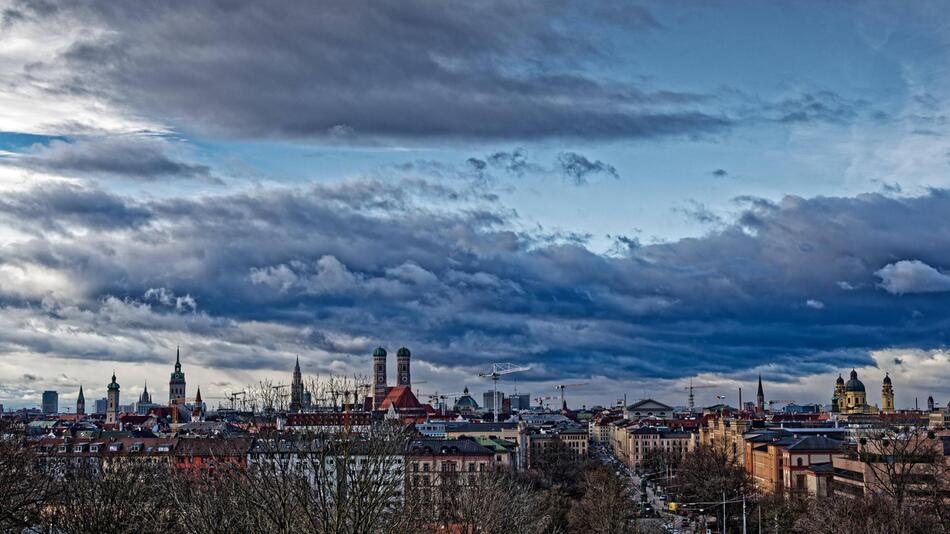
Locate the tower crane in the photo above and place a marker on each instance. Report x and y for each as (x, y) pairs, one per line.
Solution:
(692, 398)
(562, 387)
(499, 370)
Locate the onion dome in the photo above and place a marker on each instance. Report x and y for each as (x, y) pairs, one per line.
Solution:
(402, 353)
(840, 380)
(113, 385)
(379, 352)
(854, 384)
(887, 379)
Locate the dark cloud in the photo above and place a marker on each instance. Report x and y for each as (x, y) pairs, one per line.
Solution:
(477, 70)
(576, 167)
(251, 278)
(720, 173)
(698, 212)
(135, 158)
(819, 106)
(572, 166)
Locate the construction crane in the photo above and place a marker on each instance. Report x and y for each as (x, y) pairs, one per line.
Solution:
(499, 370)
(562, 387)
(692, 398)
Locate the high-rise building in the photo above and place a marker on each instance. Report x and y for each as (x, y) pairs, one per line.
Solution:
(101, 405)
(520, 401)
(887, 395)
(489, 398)
(50, 402)
(296, 389)
(80, 403)
(112, 402)
(176, 386)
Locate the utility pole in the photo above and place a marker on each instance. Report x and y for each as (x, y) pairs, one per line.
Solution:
(723, 526)
(743, 514)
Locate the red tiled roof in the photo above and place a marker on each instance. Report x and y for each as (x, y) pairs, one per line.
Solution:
(402, 398)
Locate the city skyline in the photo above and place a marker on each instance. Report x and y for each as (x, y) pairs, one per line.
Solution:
(626, 195)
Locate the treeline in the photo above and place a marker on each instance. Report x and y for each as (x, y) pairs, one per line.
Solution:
(307, 485)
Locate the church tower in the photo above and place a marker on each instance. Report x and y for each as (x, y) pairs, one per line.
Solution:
(402, 367)
(887, 395)
(837, 401)
(198, 410)
(176, 386)
(760, 398)
(80, 403)
(112, 402)
(379, 377)
(296, 389)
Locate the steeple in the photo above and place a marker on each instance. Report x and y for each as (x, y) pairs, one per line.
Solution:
(197, 411)
(80, 402)
(296, 389)
(176, 385)
(760, 397)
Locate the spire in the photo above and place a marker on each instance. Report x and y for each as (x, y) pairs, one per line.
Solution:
(198, 396)
(297, 365)
(146, 386)
(760, 393)
(81, 397)
(177, 354)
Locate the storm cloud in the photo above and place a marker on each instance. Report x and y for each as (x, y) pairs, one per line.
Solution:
(250, 276)
(131, 157)
(485, 70)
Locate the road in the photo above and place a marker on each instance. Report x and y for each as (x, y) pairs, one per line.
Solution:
(668, 522)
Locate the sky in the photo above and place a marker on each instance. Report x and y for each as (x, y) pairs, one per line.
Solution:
(624, 195)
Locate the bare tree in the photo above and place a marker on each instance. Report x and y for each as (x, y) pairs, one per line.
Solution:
(125, 495)
(607, 505)
(25, 486)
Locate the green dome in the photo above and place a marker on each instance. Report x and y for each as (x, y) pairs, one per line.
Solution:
(379, 352)
(854, 384)
(402, 353)
(113, 384)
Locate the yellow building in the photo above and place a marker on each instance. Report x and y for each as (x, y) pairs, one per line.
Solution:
(887, 395)
(854, 397)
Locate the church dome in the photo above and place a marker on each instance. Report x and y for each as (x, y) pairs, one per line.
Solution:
(379, 352)
(840, 381)
(854, 384)
(466, 401)
(887, 378)
(402, 353)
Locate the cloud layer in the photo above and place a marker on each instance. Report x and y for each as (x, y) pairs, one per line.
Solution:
(485, 70)
(330, 271)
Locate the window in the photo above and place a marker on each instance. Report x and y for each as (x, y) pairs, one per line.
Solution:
(471, 466)
(799, 462)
